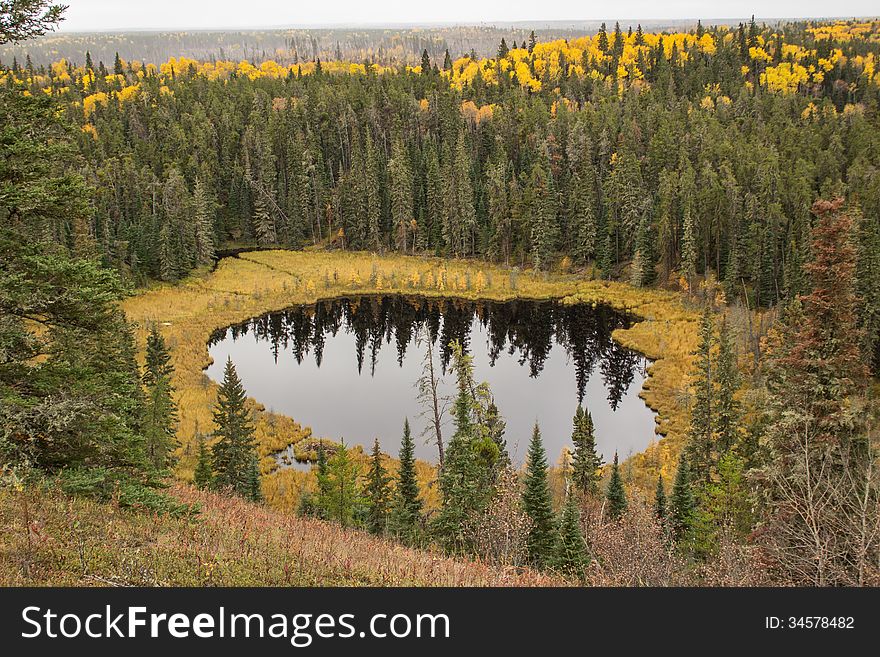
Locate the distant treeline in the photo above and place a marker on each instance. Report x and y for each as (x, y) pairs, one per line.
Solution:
(392, 45)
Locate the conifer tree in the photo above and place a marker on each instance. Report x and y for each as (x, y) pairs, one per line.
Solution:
(701, 437)
(204, 224)
(660, 500)
(539, 200)
(401, 196)
(572, 558)
(727, 406)
(463, 480)
(537, 504)
(585, 459)
(323, 481)
(203, 473)
(235, 453)
(406, 513)
(377, 492)
(160, 417)
(616, 493)
(682, 507)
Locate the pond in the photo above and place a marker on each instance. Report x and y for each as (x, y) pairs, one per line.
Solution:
(348, 368)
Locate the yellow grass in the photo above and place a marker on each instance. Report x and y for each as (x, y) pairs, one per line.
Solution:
(50, 539)
(265, 281)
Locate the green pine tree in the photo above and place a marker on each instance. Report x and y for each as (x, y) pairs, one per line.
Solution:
(586, 461)
(235, 453)
(572, 558)
(203, 472)
(464, 478)
(406, 514)
(682, 506)
(377, 492)
(727, 406)
(537, 504)
(700, 447)
(160, 417)
(616, 494)
(660, 500)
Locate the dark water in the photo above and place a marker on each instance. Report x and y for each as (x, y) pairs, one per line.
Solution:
(348, 368)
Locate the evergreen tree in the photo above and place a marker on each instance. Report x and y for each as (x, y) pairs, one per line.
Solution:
(377, 492)
(160, 417)
(401, 196)
(323, 480)
(539, 201)
(660, 500)
(204, 224)
(235, 452)
(727, 407)
(572, 558)
(616, 494)
(537, 505)
(701, 437)
(203, 473)
(464, 479)
(407, 510)
(586, 461)
(643, 267)
(682, 507)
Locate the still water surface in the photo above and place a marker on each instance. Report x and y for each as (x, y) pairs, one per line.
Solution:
(348, 368)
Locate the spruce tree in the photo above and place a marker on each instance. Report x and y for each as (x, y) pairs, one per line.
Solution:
(572, 557)
(727, 406)
(235, 453)
(204, 224)
(585, 460)
(377, 492)
(682, 507)
(323, 481)
(406, 513)
(203, 472)
(701, 437)
(401, 183)
(616, 494)
(537, 504)
(463, 480)
(660, 500)
(160, 417)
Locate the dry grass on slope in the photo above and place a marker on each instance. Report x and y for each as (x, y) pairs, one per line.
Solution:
(48, 539)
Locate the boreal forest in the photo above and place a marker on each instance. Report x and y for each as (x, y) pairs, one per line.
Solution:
(719, 185)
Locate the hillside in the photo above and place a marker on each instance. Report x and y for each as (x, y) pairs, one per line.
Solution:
(77, 542)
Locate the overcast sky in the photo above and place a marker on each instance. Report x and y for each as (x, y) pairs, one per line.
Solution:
(88, 15)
